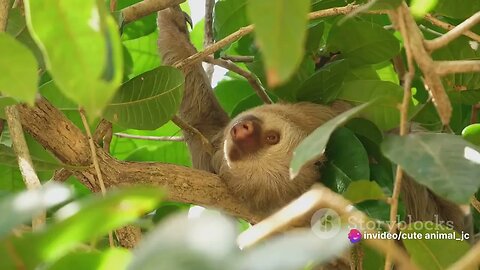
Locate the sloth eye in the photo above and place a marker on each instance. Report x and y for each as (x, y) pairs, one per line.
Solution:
(272, 137)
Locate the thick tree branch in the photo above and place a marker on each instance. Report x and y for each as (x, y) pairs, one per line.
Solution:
(208, 38)
(454, 33)
(448, 26)
(251, 78)
(458, 66)
(239, 58)
(146, 7)
(70, 145)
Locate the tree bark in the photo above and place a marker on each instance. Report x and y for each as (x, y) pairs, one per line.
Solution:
(67, 142)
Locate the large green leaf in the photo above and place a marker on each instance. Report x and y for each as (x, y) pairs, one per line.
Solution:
(362, 42)
(324, 85)
(347, 153)
(445, 163)
(384, 114)
(41, 163)
(149, 100)
(19, 70)
(18, 209)
(430, 252)
(467, 97)
(88, 37)
(280, 27)
(230, 92)
(312, 147)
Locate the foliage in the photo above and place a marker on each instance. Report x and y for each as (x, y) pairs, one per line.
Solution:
(78, 57)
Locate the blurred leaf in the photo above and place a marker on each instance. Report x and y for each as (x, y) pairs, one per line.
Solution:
(283, 252)
(18, 209)
(91, 45)
(197, 35)
(362, 42)
(230, 15)
(276, 35)
(113, 258)
(79, 221)
(175, 153)
(324, 85)
(385, 113)
(432, 253)
(346, 152)
(445, 163)
(312, 147)
(147, 101)
(419, 8)
(19, 70)
(363, 190)
(451, 8)
(206, 242)
(471, 133)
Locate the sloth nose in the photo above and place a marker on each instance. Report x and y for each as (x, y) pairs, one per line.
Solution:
(242, 130)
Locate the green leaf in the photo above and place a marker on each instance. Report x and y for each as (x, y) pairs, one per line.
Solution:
(113, 258)
(471, 133)
(347, 153)
(363, 190)
(230, 92)
(280, 27)
(314, 36)
(4, 102)
(19, 70)
(384, 114)
(366, 129)
(230, 15)
(174, 153)
(324, 85)
(419, 8)
(79, 221)
(334, 178)
(362, 42)
(431, 253)
(312, 147)
(249, 102)
(445, 163)
(88, 37)
(467, 97)
(16, 22)
(18, 209)
(144, 53)
(451, 8)
(149, 100)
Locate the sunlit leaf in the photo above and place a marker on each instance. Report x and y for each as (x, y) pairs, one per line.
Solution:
(147, 101)
(363, 190)
(280, 26)
(19, 70)
(114, 258)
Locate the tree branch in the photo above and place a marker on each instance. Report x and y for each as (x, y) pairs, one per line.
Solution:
(208, 38)
(448, 26)
(146, 7)
(193, 131)
(67, 142)
(458, 66)
(4, 8)
(251, 78)
(453, 33)
(199, 56)
(151, 138)
(239, 58)
(23, 156)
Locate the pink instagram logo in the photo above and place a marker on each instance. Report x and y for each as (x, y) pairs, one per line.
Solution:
(355, 236)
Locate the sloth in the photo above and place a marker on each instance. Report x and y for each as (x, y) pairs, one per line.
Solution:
(253, 151)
